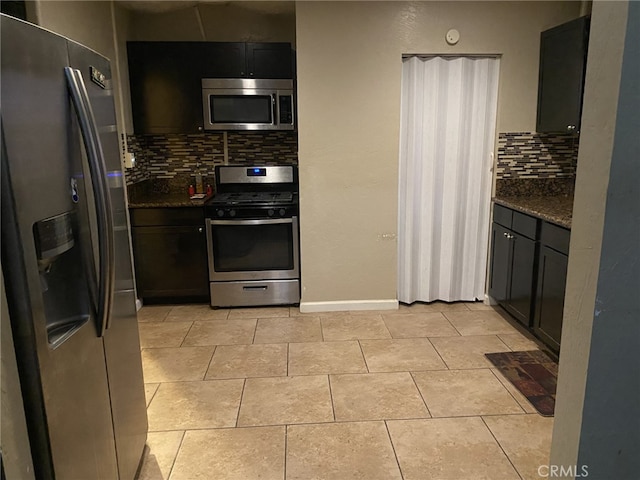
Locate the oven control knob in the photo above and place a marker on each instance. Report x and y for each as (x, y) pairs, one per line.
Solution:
(220, 213)
(232, 213)
(282, 212)
(271, 212)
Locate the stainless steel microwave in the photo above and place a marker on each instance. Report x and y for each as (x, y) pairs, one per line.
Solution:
(247, 104)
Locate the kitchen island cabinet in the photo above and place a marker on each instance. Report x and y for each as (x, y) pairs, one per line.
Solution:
(170, 254)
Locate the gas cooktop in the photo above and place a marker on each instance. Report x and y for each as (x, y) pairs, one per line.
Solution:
(252, 198)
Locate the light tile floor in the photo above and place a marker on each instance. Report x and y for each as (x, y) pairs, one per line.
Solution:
(270, 393)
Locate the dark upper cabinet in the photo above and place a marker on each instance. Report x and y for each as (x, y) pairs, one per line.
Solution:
(222, 60)
(269, 60)
(166, 95)
(165, 78)
(563, 59)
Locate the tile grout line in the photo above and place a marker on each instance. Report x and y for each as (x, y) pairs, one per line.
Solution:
(364, 357)
(393, 447)
(193, 322)
(244, 384)
(286, 448)
(255, 332)
(501, 448)
(154, 394)
(436, 350)
(503, 342)
(451, 323)
(204, 377)
(173, 464)
(420, 393)
(508, 391)
(333, 408)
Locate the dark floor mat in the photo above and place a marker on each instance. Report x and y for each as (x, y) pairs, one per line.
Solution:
(533, 373)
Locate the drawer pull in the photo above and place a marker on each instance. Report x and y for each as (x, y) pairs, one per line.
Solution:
(257, 287)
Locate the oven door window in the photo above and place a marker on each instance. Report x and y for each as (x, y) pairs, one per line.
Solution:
(243, 248)
(241, 109)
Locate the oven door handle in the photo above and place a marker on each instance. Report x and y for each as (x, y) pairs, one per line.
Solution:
(271, 221)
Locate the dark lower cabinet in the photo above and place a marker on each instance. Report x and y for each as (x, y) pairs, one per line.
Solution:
(170, 254)
(552, 278)
(500, 274)
(512, 272)
(528, 271)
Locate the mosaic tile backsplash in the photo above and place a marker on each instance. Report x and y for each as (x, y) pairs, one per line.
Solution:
(537, 155)
(167, 156)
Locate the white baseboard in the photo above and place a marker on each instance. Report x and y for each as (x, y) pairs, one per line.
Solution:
(349, 305)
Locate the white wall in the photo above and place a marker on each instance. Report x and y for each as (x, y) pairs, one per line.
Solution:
(349, 78)
(243, 21)
(106, 26)
(93, 24)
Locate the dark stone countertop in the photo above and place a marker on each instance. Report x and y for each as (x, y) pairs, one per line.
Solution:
(552, 208)
(160, 200)
(159, 194)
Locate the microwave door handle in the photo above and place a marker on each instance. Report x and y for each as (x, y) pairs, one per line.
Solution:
(104, 213)
(274, 111)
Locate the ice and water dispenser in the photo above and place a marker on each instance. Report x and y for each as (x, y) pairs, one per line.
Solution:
(63, 276)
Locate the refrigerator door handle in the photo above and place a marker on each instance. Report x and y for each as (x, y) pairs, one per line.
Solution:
(104, 213)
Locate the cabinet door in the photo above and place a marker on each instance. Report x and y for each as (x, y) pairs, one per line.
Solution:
(522, 278)
(171, 262)
(563, 54)
(500, 263)
(552, 278)
(269, 60)
(166, 93)
(223, 60)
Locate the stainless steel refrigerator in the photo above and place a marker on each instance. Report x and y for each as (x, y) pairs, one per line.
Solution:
(66, 258)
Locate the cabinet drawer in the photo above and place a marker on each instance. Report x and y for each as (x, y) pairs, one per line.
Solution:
(525, 225)
(502, 215)
(555, 237)
(168, 216)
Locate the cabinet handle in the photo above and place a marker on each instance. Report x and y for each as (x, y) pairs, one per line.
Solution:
(200, 229)
(571, 128)
(506, 234)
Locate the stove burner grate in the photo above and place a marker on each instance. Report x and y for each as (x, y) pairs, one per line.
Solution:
(251, 198)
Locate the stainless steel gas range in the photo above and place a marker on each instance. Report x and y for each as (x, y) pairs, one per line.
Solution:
(253, 236)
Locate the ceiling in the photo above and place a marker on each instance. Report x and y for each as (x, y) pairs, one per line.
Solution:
(162, 6)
